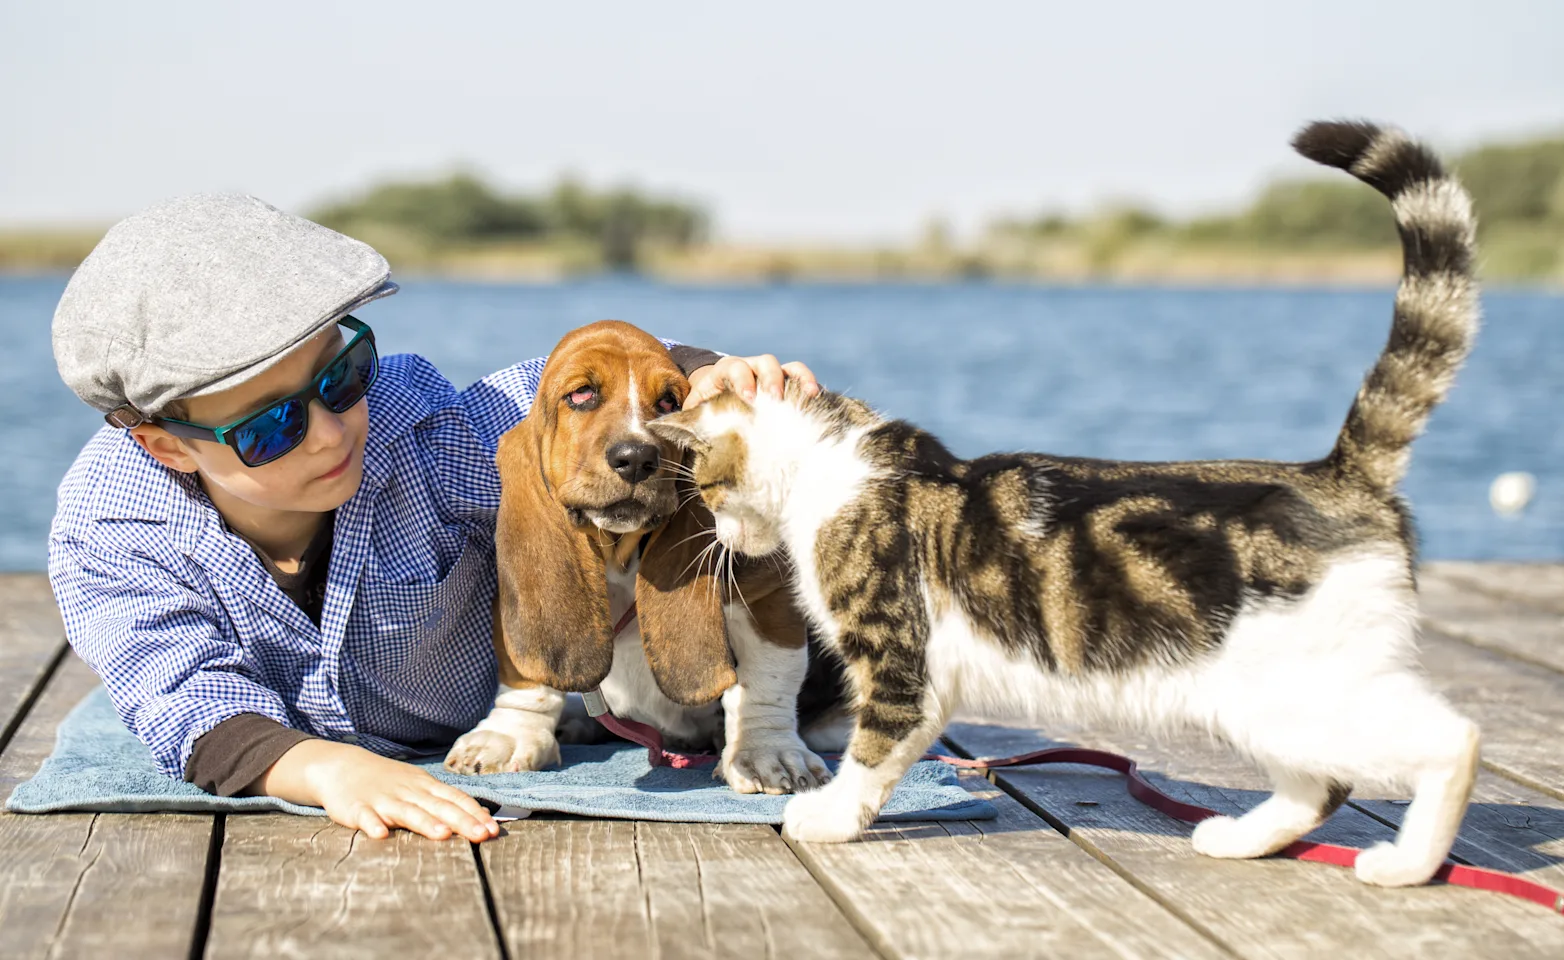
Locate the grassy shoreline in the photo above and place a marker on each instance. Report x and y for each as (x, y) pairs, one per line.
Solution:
(1154, 260)
(24, 253)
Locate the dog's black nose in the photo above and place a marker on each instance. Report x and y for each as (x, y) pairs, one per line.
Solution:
(634, 461)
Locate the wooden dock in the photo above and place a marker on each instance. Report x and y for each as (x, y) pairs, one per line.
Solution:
(1073, 867)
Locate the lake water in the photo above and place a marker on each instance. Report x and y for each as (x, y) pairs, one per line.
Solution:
(1141, 373)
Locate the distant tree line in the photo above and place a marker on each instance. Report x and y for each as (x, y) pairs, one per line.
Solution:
(1518, 191)
(462, 210)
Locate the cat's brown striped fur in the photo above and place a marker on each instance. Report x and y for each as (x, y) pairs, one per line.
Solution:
(1271, 604)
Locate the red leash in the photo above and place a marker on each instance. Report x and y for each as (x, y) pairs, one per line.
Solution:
(636, 732)
(1139, 787)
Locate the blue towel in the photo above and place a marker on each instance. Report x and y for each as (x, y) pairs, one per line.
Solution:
(97, 765)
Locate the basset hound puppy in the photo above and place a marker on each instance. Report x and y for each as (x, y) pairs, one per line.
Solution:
(597, 514)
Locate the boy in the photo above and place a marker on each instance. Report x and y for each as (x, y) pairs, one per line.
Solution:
(279, 555)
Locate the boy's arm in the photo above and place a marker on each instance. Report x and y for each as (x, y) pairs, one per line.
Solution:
(156, 644)
(174, 678)
(233, 755)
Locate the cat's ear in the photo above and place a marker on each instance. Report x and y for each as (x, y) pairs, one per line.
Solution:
(682, 429)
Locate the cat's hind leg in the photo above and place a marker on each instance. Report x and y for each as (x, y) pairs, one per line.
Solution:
(1448, 751)
(1387, 729)
(1300, 804)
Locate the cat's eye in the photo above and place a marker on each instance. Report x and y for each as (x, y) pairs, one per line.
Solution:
(668, 403)
(582, 398)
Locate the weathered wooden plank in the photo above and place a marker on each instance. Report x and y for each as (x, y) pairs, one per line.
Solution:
(1538, 584)
(1012, 887)
(31, 639)
(735, 890)
(92, 884)
(1520, 708)
(566, 888)
(292, 886)
(1454, 607)
(1276, 908)
(607, 889)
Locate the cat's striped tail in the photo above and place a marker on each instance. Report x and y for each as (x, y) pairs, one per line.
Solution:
(1436, 312)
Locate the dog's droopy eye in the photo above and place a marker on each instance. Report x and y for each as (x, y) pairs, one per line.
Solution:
(582, 398)
(668, 403)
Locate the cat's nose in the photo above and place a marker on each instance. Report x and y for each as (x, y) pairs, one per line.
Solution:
(634, 460)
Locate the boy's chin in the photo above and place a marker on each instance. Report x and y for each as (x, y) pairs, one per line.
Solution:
(334, 492)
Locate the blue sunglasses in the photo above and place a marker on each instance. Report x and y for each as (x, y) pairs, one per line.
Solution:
(266, 434)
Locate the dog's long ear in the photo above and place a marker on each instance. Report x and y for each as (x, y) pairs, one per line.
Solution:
(678, 596)
(553, 591)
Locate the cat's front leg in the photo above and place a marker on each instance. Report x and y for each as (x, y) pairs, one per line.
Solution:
(899, 718)
(518, 734)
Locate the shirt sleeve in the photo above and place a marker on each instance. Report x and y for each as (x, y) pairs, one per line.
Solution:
(234, 754)
(156, 644)
(691, 359)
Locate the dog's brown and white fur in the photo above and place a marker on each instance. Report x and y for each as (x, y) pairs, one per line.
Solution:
(594, 517)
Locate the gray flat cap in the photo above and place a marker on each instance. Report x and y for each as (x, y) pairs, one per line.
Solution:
(201, 293)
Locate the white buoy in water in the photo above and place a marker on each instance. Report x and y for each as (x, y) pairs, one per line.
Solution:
(1511, 492)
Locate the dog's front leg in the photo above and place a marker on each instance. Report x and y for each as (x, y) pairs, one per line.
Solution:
(763, 752)
(518, 734)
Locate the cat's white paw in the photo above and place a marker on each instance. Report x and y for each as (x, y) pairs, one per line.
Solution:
(489, 751)
(1229, 838)
(1388, 865)
(829, 815)
(778, 765)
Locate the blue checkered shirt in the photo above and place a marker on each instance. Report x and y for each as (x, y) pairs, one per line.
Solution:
(187, 629)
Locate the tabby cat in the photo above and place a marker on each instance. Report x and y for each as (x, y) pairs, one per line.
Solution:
(1271, 604)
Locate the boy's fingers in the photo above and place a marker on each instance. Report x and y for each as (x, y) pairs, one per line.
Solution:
(804, 375)
(477, 811)
(364, 818)
(454, 817)
(736, 372)
(415, 818)
(708, 386)
(746, 376)
(768, 374)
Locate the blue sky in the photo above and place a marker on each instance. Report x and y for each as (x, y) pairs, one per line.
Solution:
(804, 120)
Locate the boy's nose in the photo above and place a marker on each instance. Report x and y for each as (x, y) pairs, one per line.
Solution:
(325, 429)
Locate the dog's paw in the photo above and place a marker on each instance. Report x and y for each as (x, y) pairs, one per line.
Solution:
(489, 751)
(828, 815)
(781, 765)
(1389, 865)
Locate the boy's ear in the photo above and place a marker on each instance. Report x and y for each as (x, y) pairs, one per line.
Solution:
(681, 429)
(163, 447)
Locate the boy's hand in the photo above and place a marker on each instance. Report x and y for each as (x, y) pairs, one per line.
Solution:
(745, 375)
(368, 792)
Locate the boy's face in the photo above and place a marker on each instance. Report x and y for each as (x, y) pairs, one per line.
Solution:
(318, 475)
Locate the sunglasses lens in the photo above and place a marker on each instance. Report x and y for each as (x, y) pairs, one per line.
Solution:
(347, 379)
(272, 433)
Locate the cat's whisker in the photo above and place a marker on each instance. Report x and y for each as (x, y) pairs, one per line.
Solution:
(697, 561)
